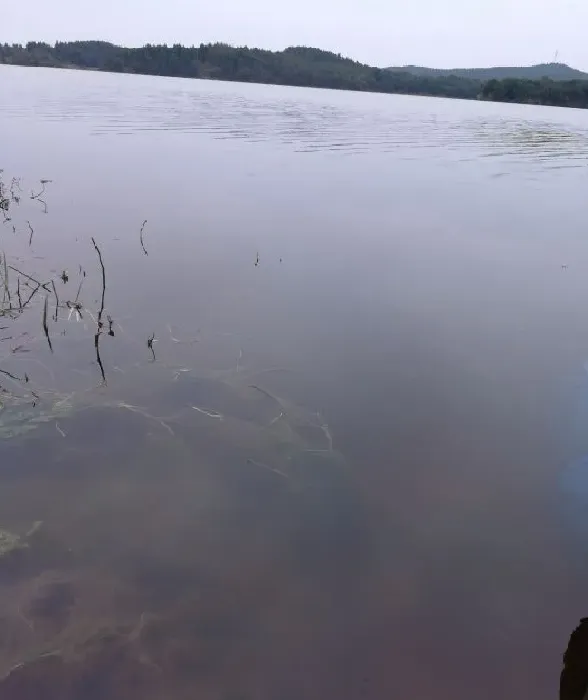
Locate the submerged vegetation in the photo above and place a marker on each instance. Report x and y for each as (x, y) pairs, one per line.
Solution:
(232, 404)
(23, 294)
(10, 542)
(121, 498)
(45, 302)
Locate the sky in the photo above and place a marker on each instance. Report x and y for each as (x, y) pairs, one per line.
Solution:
(447, 33)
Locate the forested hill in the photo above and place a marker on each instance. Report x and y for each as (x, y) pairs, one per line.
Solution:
(301, 66)
(554, 71)
(293, 66)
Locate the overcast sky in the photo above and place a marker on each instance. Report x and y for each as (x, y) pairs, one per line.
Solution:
(441, 33)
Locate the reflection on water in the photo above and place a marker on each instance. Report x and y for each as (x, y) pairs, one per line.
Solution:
(279, 423)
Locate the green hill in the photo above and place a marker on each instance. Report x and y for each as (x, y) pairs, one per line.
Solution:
(550, 84)
(296, 65)
(555, 71)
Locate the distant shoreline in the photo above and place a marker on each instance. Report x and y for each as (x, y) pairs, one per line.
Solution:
(301, 67)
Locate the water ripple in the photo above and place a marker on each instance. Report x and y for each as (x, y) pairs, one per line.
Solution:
(304, 120)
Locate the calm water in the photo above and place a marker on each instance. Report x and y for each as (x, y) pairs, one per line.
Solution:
(341, 396)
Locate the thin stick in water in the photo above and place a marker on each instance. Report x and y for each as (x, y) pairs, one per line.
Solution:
(99, 323)
(35, 290)
(266, 466)
(6, 281)
(11, 376)
(141, 237)
(103, 279)
(56, 299)
(150, 342)
(41, 192)
(32, 279)
(45, 326)
(79, 290)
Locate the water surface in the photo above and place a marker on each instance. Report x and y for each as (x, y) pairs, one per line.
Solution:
(323, 455)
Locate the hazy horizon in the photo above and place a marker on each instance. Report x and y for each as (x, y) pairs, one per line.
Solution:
(379, 33)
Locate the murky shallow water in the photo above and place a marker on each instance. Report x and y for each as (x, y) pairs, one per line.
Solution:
(329, 455)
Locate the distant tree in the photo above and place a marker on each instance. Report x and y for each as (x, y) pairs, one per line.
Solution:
(560, 93)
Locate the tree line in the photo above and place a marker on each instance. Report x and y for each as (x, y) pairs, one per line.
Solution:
(297, 65)
(294, 66)
(566, 93)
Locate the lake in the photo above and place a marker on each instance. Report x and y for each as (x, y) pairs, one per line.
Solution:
(294, 392)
